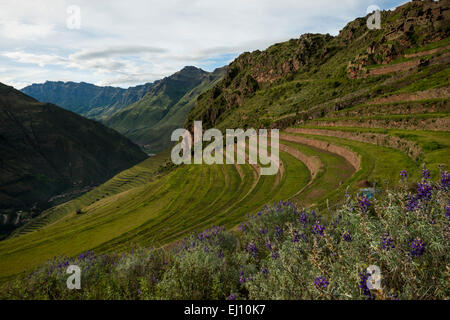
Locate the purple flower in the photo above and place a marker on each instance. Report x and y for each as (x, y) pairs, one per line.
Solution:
(387, 243)
(403, 174)
(318, 228)
(412, 204)
(269, 246)
(425, 173)
(424, 191)
(232, 297)
(363, 285)
(364, 203)
(264, 270)
(252, 249)
(321, 282)
(303, 218)
(347, 236)
(263, 231)
(206, 249)
(242, 280)
(221, 255)
(417, 247)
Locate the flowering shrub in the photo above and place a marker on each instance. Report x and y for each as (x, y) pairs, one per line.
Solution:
(407, 242)
(205, 267)
(280, 253)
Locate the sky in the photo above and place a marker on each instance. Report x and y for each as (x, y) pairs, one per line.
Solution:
(124, 43)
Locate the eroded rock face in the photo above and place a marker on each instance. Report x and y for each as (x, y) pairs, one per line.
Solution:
(413, 24)
(259, 69)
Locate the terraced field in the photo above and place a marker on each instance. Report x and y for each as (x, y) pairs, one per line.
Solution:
(148, 206)
(152, 207)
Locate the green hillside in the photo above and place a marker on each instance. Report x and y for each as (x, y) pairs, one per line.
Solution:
(150, 121)
(315, 75)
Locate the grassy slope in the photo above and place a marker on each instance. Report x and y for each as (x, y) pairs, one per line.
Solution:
(157, 136)
(435, 144)
(379, 164)
(154, 211)
(150, 121)
(327, 185)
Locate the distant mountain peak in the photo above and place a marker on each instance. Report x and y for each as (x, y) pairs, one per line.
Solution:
(191, 68)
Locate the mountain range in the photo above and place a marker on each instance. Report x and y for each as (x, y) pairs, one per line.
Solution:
(146, 114)
(86, 99)
(150, 121)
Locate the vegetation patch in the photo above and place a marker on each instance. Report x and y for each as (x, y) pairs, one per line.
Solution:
(405, 235)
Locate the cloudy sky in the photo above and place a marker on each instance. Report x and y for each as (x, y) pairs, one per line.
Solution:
(129, 42)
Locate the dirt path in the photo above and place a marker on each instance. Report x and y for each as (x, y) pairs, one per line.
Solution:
(435, 93)
(312, 163)
(349, 155)
(384, 140)
(403, 66)
(427, 52)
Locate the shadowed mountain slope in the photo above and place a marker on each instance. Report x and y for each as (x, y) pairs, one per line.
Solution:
(46, 151)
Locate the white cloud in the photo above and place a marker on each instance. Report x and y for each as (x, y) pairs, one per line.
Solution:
(86, 54)
(25, 31)
(121, 42)
(40, 59)
(130, 79)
